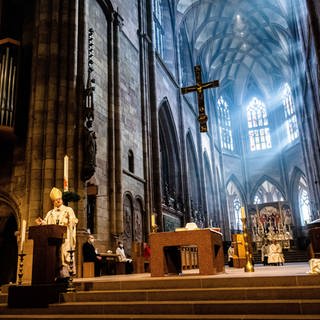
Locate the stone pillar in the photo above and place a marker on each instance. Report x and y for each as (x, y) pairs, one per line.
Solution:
(154, 143)
(53, 102)
(117, 22)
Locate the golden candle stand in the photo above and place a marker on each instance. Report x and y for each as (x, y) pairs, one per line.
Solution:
(249, 266)
(20, 274)
(70, 287)
(154, 228)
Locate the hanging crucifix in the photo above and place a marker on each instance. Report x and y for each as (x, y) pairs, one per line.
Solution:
(199, 87)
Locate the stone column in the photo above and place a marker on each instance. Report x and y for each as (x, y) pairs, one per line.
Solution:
(117, 22)
(53, 69)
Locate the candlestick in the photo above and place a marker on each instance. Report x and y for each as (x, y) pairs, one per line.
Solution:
(20, 274)
(71, 287)
(65, 173)
(249, 266)
(23, 234)
(71, 237)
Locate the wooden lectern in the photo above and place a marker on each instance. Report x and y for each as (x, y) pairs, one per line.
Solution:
(314, 237)
(46, 252)
(239, 258)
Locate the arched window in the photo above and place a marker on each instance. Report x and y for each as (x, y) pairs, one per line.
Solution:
(237, 212)
(224, 122)
(164, 33)
(158, 28)
(289, 113)
(234, 207)
(259, 133)
(130, 161)
(267, 192)
(304, 202)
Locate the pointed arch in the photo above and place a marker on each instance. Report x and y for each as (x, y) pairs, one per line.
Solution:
(194, 180)
(170, 157)
(299, 193)
(9, 222)
(235, 200)
(270, 191)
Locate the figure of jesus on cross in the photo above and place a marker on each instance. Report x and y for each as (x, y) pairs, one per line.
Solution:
(199, 87)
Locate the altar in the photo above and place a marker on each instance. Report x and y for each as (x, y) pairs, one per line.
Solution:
(209, 244)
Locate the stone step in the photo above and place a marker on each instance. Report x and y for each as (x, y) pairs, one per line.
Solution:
(289, 256)
(161, 317)
(196, 282)
(240, 295)
(194, 294)
(236, 307)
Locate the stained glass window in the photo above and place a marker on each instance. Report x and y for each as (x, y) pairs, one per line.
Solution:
(259, 133)
(158, 27)
(304, 202)
(289, 113)
(224, 122)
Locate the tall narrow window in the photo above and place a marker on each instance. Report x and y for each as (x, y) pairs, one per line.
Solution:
(259, 133)
(237, 213)
(289, 113)
(304, 202)
(130, 161)
(224, 122)
(234, 207)
(158, 28)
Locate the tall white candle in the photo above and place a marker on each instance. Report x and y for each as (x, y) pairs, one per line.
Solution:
(71, 237)
(23, 234)
(153, 220)
(65, 173)
(243, 213)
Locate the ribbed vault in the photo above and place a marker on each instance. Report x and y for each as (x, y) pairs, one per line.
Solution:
(247, 44)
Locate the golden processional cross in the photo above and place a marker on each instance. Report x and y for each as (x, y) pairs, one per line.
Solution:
(199, 87)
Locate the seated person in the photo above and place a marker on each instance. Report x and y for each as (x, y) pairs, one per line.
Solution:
(146, 255)
(230, 255)
(123, 258)
(90, 254)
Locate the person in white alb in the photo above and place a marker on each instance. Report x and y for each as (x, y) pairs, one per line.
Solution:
(123, 258)
(275, 255)
(64, 216)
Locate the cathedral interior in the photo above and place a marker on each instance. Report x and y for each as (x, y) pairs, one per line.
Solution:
(168, 110)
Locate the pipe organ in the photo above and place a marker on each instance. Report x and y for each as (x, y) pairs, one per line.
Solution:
(9, 55)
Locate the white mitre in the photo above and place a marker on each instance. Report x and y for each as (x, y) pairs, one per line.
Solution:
(55, 193)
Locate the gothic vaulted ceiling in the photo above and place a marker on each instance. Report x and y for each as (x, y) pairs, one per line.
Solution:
(247, 44)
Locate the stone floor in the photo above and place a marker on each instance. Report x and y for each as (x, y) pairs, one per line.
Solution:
(270, 292)
(289, 269)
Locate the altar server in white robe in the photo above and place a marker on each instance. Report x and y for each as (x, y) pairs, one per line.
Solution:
(275, 256)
